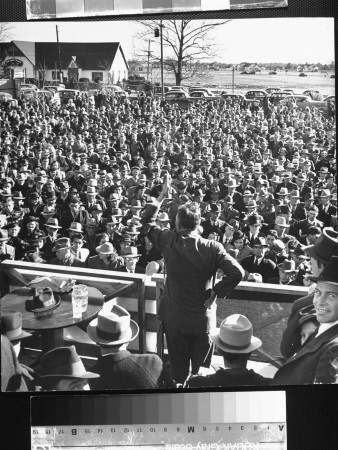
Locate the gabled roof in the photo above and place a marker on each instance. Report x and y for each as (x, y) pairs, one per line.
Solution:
(89, 55)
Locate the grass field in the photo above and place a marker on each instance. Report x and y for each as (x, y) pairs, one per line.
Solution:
(243, 83)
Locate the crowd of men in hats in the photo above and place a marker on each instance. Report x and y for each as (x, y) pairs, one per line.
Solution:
(76, 182)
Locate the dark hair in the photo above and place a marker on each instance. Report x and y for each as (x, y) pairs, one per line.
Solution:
(273, 233)
(235, 357)
(76, 236)
(189, 216)
(314, 230)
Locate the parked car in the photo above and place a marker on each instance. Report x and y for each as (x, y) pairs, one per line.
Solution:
(29, 86)
(28, 94)
(68, 94)
(202, 94)
(302, 74)
(269, 90)
(273, 72)
(6, 97)
(256, 96)
(206, 90)
(314, 94)
(276, 97)
(304, 101)
(233, 98)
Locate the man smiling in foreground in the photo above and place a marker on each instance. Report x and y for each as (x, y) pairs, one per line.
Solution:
(314, 362)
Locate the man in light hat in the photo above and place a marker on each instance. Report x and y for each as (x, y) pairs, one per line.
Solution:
(107, 258)
(326, 210)
(63, 254)
(14, 376)
(312, 363)
(235, 342)
(6, 251)
(52, 228)
(112, 330)
(61, 369)
(131, 257)
(191, 262)
(320, 254)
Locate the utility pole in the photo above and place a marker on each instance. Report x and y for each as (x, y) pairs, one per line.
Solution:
(162, 69)
(233, 79)
(148, 66)
(59, 51)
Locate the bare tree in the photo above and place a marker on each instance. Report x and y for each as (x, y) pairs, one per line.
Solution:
(185, 43)
(5, 31)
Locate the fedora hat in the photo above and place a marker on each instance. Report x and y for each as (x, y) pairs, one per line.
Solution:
(234, 224)
(18, 196)
(43, 300)
(254, 219)
(76, 226)
(289, 266)
(325, 193)
(329, 274)
(229, 200)
(63, 362)
(259, 242)
(235, 335)
(112, 220)
(11, 325)
(281, 221)
(247, 193)
(300, 253)
(294, 194)
(136, 204)
(112, 327)
(61, 243)
(131, 229)
(163, 217)
(215, 207)
(106, 249)
(90, 190)
(130, 252)
(117, 212)
(251, 204)
(325, 247)
(232, 183)
(52, 223)
(283, 192)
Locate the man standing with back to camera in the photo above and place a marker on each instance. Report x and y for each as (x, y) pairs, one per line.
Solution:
(191, 264)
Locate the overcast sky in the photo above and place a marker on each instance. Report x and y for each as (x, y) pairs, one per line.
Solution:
(295, 40)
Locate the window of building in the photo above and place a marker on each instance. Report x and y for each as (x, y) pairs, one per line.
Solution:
(55, 74)
(97, 76)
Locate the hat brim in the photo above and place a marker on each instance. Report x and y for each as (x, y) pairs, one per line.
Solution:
(54, 249)
(92, 333)
(254, 344)
(84, 375)
(53, 226)
(22, 335)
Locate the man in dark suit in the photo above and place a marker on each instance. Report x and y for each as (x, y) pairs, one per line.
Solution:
(213, 221)
(320, 253)
(191, 263)
(326, 210)
(257, 263)
(311, 221)
(74, 214)
(313, 361)
(254, 225)
(63, 255)
(112, 330)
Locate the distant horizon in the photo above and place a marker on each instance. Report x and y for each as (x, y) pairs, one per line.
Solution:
(295, 40)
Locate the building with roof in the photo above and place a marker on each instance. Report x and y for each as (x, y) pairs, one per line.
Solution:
(94, 61)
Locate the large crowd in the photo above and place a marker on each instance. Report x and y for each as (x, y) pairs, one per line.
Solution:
(76, 180)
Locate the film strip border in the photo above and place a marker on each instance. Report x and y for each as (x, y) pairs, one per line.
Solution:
(77, 8)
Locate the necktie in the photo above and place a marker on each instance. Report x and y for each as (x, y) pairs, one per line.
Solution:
(256, 262)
